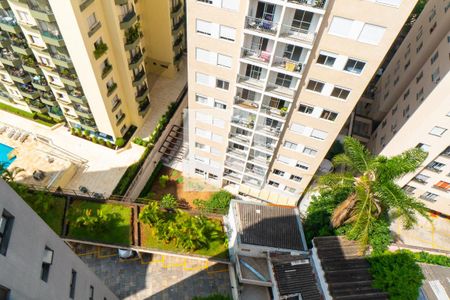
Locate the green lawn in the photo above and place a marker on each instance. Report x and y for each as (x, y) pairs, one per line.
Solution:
(118, 232)
(217, 248)
(48, 121)
(53, 217)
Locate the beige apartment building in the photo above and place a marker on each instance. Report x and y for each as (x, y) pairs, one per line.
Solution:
(271, 84)
(85, 62)
(409, 106)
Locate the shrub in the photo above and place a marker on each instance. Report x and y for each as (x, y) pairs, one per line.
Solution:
(180, 179)
(218, 202)
(98, 221)
(169, 201)
(151, 214)
(86, 132)
(163, 180)
(94, 139)
(434, 259)
(397, 274)
(108, 143)
(146, 190)
(101, 141)
(120, 142)
(137, 140)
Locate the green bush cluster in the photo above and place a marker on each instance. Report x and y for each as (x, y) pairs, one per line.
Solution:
(85, 134)
(396, 273)
(98, 221)
(218, 202)
(163, 179)
(169, 201)
(427, 258)
(139, 141)
(188, 232)
(37, 117)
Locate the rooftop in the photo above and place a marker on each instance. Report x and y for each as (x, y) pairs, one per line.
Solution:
(294, 276)
(346, 270)
(269, 226)
(436, 284)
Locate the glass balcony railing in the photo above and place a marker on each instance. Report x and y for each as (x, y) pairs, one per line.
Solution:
(287, 64)
(261, 25)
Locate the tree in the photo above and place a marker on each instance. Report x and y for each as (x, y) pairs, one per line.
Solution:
(151, 214)
(169, 201)
(373, 190)
(9, 175)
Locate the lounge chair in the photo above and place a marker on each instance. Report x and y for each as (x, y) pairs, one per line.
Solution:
(2, 129)
(11, 133)
(17, 135)
(24, 137)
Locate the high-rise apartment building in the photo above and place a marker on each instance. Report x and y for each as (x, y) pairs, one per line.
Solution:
(271, 83)
(85, 61)
(35, 263)
(409, 106)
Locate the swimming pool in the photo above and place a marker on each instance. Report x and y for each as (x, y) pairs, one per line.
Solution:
(4, 160)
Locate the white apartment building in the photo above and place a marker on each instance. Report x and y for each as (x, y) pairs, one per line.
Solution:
(410, 106)
(271, 83)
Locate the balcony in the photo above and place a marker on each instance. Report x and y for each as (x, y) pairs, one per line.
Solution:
(19, 75)
(141, 94)
(232, 176)
(234, 164)
(94, 28)
(53, 38)
(135, 60)
(297, 34)
(237, 152)
(9, 24)
(40, 83)
(82, 112)
(311, 3)
(246, 104)
(128, 19)
(120, 119)
(100, 49)
(250, 81)
(178, 25)
(178, 41)
(9, 58)
(255, 171)
(19, 45)
(37, 106)
(48, 98)
(5, 41)
(261, 25)
(176, 9)
(88, 125)
(256, 55)
(144, 107)
(62, 60)
(69, 77)
(41, 11)
(116, 105)
(269, 130)
(77, 97)
(106, 70)
(111, 88)
(85, 4)
(260, 160)
(28, 91)
(57, 86)
(56, 113)
(178, 57)
(240, 138)
(287, 65)
(280, 90)
(139, 78)
(274, 111)
(243, 121)
(268, 147)
(121, 2)
(132, 37)
(30, 65)
(257, 183)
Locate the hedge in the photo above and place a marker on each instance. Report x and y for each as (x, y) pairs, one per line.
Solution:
(39, 118)
(148, 186)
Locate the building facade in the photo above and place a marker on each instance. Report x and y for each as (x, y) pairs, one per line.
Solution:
(35, 263)
(85, 62)
(271, 84)
(409, 106)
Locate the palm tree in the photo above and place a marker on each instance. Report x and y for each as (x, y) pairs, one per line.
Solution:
(10, 174)
(371, 180)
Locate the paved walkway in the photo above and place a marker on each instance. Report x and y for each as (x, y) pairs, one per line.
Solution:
(158, 277)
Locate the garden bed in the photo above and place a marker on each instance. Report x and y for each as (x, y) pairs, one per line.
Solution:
(116, 231)
(185, 192)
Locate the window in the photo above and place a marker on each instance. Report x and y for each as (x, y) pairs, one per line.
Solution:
(224, 60)
(218, 123)
(423, 147)
(328, 115)
(371, 34)
(326, 59)
(205, 1)
(201, 78)
(73, 282)
(201, 146)
(421, 178)
(354, 66)
(435, 166)
(6, 223)
(220, 105)
(309, 151)
(203, 133)
(295, 178)
(273, 183)
(409, 189)
(231, 4)
(217, 138)
(92, 21)
(407, 64)
(306, 109)
(46, 263)
(302, 165)
(278, 172)
(419, 47)
(203, 27)
(297, 128)
(203, 55)
(406, 95)
(437, 131)
(316, 86)
(4, 293)
(419, 95)
(213, 176)
(435, 76)
(227, 33)
(91, 292)
(340, 26)
(434, 57)
(340, 93)
(319, 134)
(429, 196)
(289, 189)
(201, 99)
(290, 145)
(199, 172)
(395, 3)
(222, 84)
(443, 185)
(284, 159)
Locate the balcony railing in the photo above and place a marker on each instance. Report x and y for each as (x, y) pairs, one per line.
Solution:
(116, 105)
(111, 88)
(270, 110)
(269, 130)
(176, 8)
(250, 81)
(243, 121)
(178, 25)
(235, 164)
(255, 172)
(245, 103)
(266, 146)
(233, 176)
(85, 4)
(240, 138)
(236, 152)
(261, 25)
(297, 34)
(120, 119)
(106, 70)
(128, 19)
(312, 3)
(280, 90)
(287, 64)
(256, 55)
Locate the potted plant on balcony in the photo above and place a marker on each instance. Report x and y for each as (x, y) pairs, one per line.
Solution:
(283, 111)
